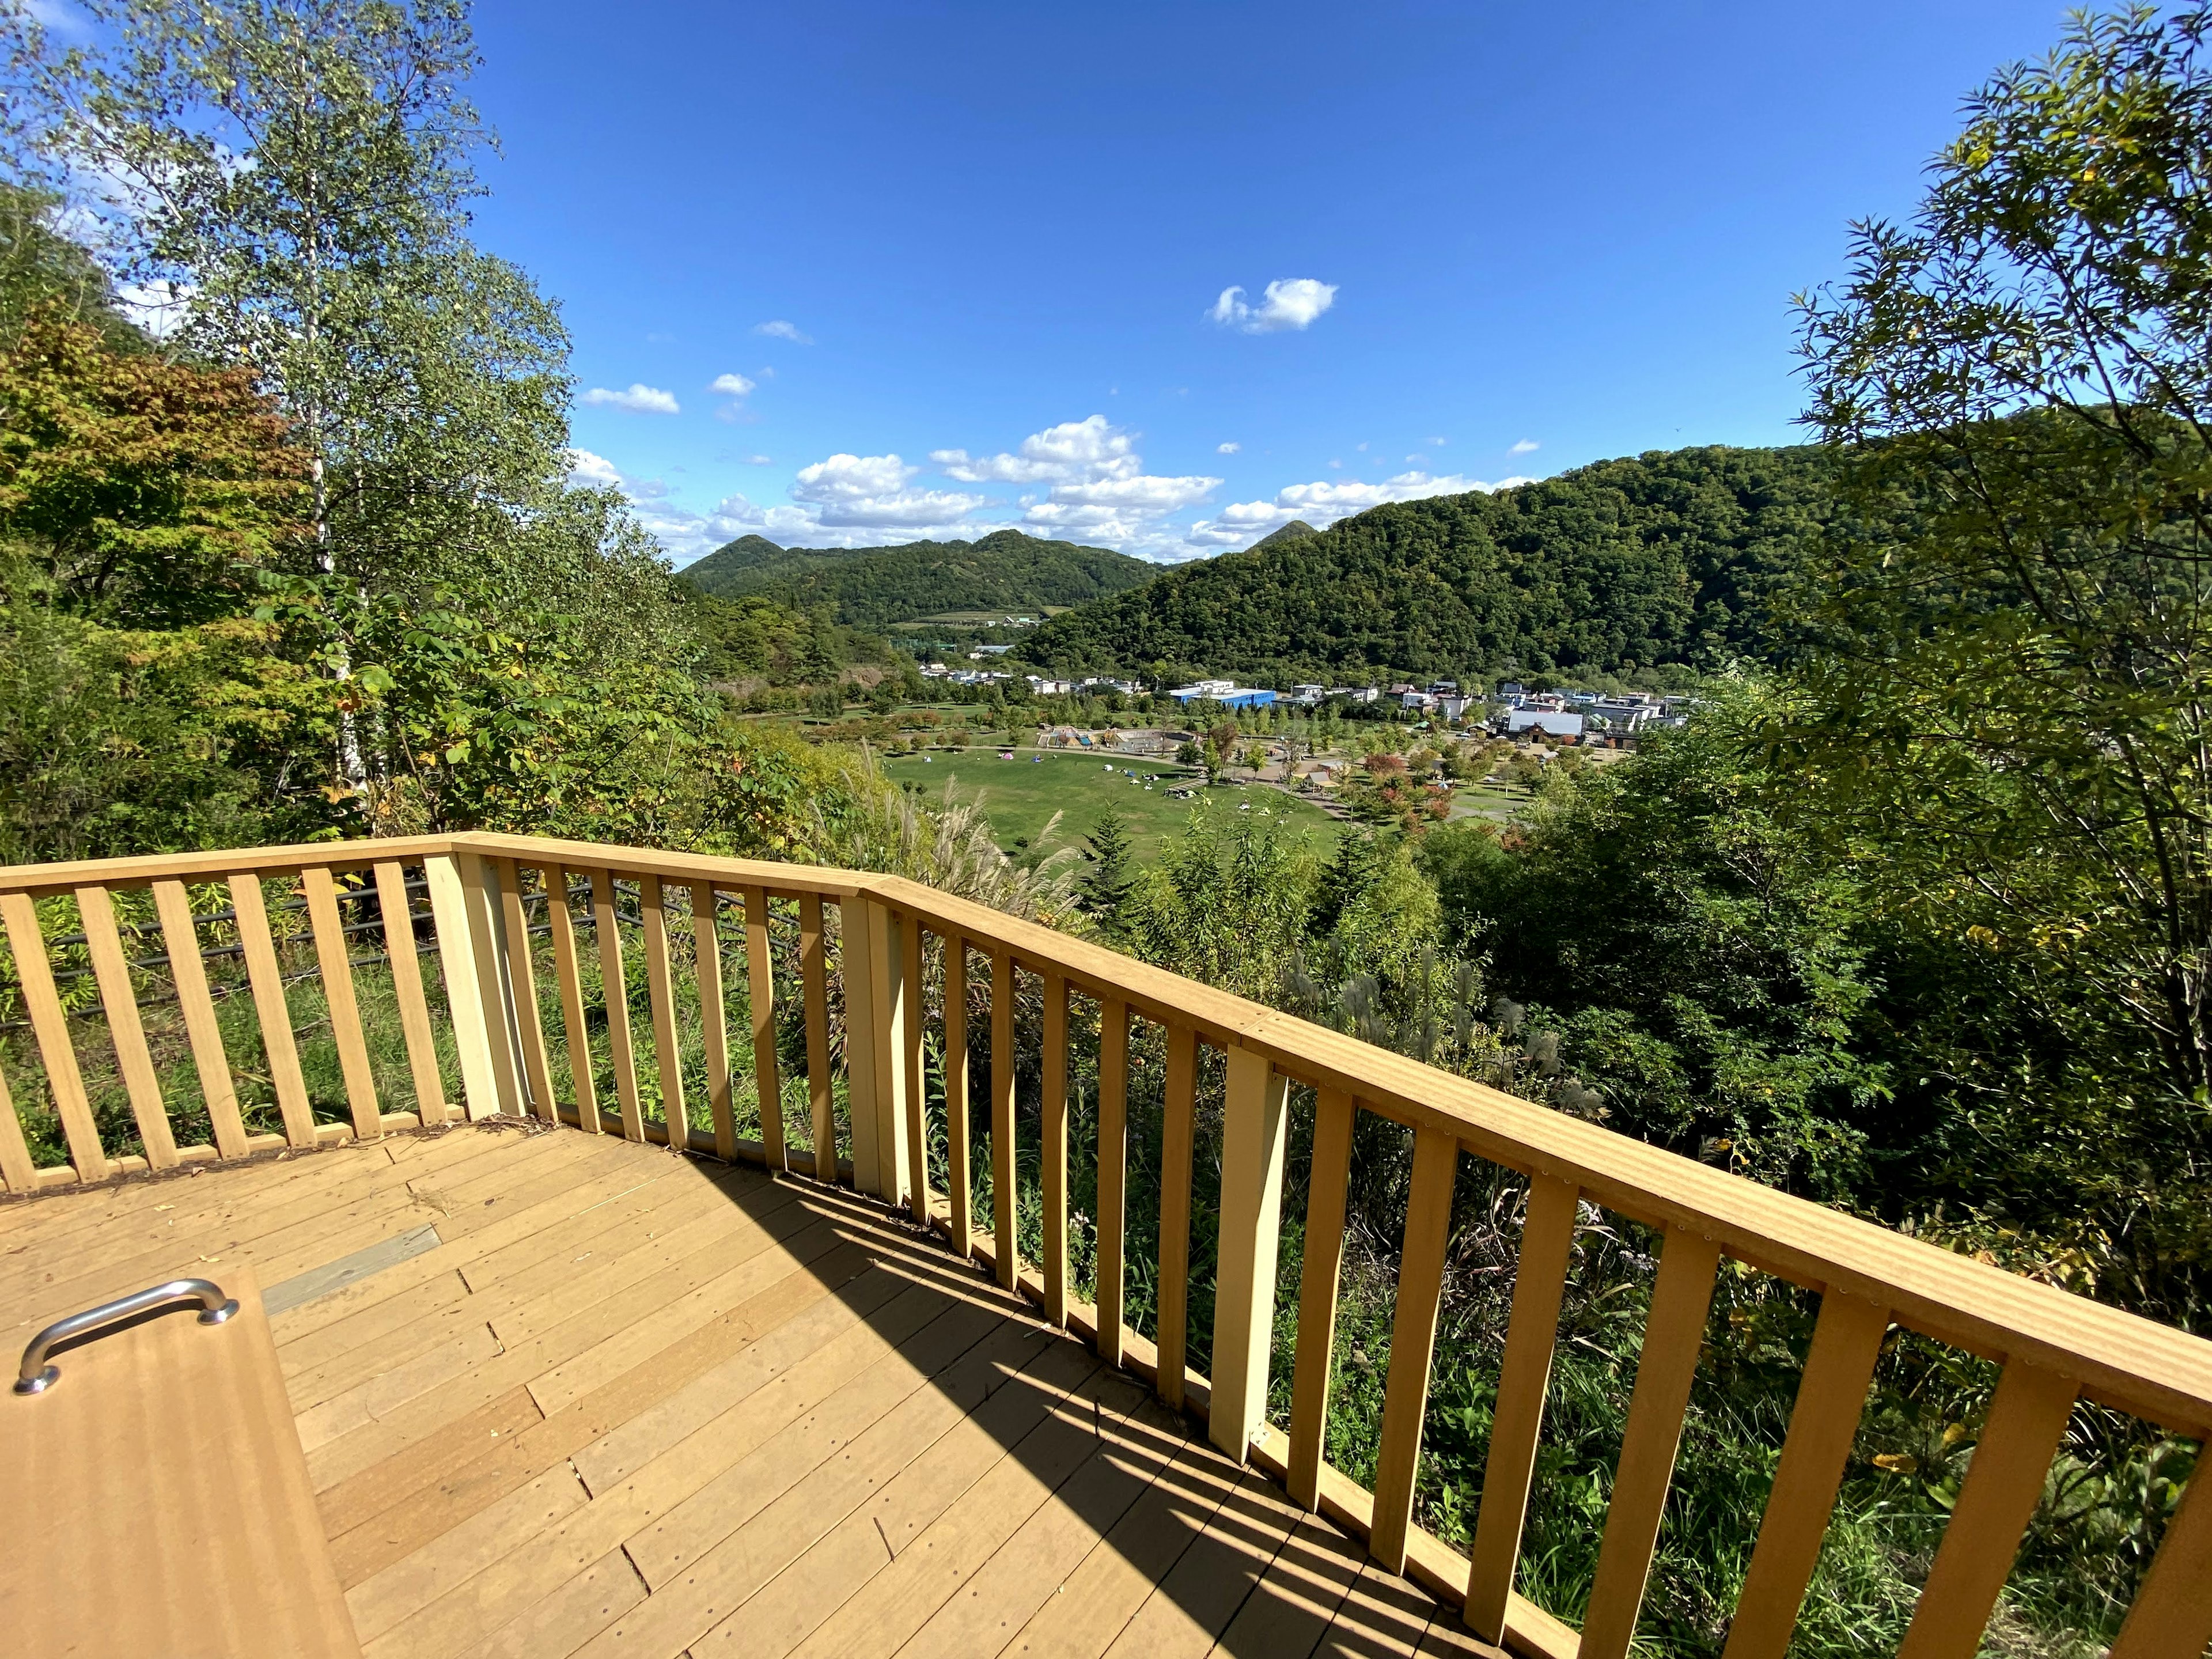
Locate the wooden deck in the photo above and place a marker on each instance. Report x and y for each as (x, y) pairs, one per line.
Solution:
(622, 1402)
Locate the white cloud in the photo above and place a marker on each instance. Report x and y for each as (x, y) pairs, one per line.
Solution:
(592, 471)
(873, 489)
(1325, 501)
(1526, 446)
(779, 330)
(1071, 452)
(731, 385)
(639, 399)
(1227, 449)
(157, 308)
(1096, 487)
(1438, 443)
(1287, 302)
(758, 460)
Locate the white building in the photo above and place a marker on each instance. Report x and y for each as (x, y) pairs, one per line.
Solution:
(1553, 722)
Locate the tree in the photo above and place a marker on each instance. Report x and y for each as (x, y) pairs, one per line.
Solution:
(1106, 885)
(295, 173)
(2003, 710)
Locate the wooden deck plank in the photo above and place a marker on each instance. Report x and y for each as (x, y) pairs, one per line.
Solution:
(439, 1495)
(636, 1405)
(520, 1307)
(331, 1461)
(1104, 1593)
(450, 1601)
(1195, 1600)
(763, 1449)
(989, 1388)
(1048, 1502)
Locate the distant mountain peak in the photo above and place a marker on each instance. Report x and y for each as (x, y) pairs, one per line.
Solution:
(1290, 532)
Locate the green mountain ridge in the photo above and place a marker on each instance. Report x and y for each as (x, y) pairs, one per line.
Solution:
(876, 587)
(1664, 558)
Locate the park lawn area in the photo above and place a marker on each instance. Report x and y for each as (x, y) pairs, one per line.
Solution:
(1019, 796)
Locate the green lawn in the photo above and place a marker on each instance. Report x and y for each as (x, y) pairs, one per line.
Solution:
(1021, 795)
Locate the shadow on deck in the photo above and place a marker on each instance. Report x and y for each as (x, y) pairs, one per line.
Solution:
(561, 1393)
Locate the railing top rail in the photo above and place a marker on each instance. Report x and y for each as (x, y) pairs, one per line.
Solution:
(2120, 1358)
(2133, 1364)
(62, 878)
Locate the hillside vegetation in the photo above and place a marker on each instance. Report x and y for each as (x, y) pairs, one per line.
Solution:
(880, 587)
(1667, 557)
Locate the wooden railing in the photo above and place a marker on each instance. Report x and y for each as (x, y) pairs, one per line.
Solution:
(491, 896)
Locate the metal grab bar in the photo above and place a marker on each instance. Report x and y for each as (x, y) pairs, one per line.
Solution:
(36, 1376)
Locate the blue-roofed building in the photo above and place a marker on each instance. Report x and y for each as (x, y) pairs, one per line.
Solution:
(1227, 693)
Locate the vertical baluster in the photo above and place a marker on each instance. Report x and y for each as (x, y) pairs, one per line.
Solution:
(1113, 1172)
(605, 923)
(760, 999)
(50, 1026)
(16, 1170)
(572, 999)
(2004, 1483)
(1002, 1115)
(270, 1005)
(1412, 1341)
(1830, 1399)
(1178, 1127)
(660, 992)
(1672, 1335)
(398, 915)
(119, 997)
(457, 904)
(522, 977)
(181, 939)
(2172, 1618)
(961, 1179)
(1317, 1288)
(1053, 1146)
(1532, 1331)
(333, 959)
(1252, 1151)
(715, 1032)
(863, 975)
(912, 953)
(815, 977)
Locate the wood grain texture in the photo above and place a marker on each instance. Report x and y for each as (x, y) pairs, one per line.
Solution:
(1253, 1145)
(1112, 1173)
(660, 990)
(1178, 1129)
(1672, 1332)
(2172, 1616)
(1052, 1148)
(16, 1170)
(333, 960)
(1413, 1342)
(1002, 1119)
(760, 1003)
(1831, 1400)
(1532, 1333)
(522, 974)
(1318, 1276)
(451, 900)
(566, 970)
(959, 1151)
(2004, 1482)
(118, 1000)
(913, 1078)
(398, 919)
(607, 927)
(50, 1025)
(814, 980)
(180, 939)
(272, 1008)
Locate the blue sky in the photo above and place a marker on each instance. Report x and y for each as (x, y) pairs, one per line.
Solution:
(954, 267)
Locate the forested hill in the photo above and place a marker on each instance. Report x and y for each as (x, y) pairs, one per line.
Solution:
(1665, 557)
(877, 587)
